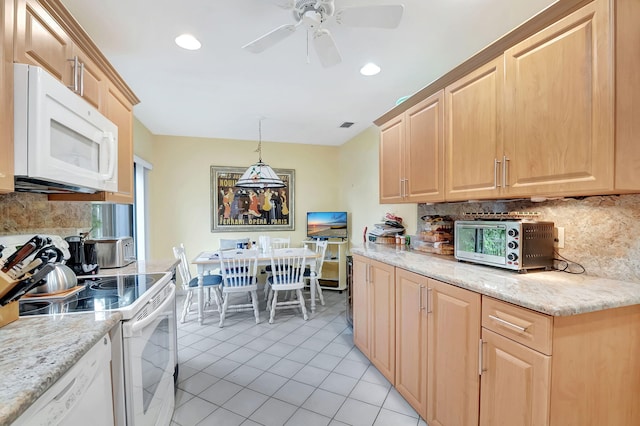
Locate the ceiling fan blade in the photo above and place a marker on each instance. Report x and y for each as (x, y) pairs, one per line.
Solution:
(269, 39)
(284, 4)
(326, 48)
(382, 16)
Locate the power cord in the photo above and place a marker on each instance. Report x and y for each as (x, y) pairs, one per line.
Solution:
(567, 264)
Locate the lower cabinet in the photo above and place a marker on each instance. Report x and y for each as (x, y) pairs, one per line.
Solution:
(373, 298)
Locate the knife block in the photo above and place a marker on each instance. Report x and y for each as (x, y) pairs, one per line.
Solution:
(8, 312)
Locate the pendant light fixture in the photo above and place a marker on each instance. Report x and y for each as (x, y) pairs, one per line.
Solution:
(260, 175)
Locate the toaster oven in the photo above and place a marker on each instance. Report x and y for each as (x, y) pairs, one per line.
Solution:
(114, 252)
(512, 244)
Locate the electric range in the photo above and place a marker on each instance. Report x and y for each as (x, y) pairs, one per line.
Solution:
(124, 293)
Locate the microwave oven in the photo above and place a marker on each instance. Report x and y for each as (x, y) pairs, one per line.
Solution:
(61, 142)
(511, 244)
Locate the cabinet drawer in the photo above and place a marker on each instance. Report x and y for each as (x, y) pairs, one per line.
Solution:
(522, 325)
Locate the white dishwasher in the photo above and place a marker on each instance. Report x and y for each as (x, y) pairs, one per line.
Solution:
(81, 396)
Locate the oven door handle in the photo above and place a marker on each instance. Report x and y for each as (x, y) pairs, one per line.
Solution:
(135, 328)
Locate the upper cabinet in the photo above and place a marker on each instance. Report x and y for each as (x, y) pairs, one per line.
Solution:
(46, 35)
(473, 133)
(412, 154)
(6, 96)
(559, 108)
(551, 110)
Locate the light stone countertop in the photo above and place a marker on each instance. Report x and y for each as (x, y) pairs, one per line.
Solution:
(550, 292)
(37, 351)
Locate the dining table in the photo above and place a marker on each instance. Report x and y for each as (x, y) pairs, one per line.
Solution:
(207, 261)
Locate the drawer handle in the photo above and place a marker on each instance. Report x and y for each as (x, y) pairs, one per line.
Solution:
(508, 324)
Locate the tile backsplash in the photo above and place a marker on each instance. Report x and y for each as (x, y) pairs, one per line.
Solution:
(28, 213)
(601, 233)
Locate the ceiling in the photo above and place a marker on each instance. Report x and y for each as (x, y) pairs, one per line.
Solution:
(223, 91)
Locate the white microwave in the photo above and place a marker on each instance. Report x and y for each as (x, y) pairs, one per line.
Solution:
(61, 143)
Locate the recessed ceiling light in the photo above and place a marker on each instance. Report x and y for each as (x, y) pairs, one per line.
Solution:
(370, 69)
(187, 41)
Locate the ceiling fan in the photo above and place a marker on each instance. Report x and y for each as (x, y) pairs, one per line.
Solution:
(314, 13)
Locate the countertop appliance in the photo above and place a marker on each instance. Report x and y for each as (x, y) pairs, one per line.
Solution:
(517, 245)
(144, 347)
(114, 252)
(61, 143)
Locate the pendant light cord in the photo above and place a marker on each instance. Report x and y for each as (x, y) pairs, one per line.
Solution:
(259, 150)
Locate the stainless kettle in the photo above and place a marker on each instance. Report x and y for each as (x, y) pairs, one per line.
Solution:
(60, 279)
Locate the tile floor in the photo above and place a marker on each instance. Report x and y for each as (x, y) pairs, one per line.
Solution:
(291, 372)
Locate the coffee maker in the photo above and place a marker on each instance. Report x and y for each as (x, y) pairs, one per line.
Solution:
(83, 258)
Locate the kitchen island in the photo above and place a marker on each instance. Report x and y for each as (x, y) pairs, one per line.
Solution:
(37, 351)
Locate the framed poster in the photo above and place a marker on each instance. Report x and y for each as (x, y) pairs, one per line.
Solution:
(236, 209)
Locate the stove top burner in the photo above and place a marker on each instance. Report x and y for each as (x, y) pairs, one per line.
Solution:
(101, 293)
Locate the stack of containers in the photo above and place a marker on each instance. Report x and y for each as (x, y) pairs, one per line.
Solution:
(436, 236)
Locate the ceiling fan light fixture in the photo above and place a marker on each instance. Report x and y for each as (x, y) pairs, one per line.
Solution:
(370, 69)
(260, 175)
(188, 42)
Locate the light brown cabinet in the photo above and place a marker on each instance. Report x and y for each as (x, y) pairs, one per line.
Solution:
(6, 96)
(515, 379)
(374, 313)
(473, 133)
(411, 339)
(46, 35)
(453, 384)
(412, 154)
(559, 109)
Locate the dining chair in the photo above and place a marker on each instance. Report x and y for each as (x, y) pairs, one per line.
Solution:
(210, 282)
(239, 270)
(287, 267)
(314, 279)
(267, 244)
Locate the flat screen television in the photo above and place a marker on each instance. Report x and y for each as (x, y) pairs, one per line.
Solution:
(327, 225)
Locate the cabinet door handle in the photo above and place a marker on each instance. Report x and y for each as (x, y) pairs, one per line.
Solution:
(496, 185)
(429, 294)
(420, 307)
(508, 324)
(505, 182)
(406, 186)
(81, 79)
(481, 358)
(74, 86)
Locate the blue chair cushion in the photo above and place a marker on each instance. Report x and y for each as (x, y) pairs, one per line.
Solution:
(307, 272)
(207, 280)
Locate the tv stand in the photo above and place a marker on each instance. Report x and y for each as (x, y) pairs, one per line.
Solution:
(334, 268)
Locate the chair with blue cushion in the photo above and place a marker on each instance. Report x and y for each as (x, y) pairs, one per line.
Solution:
(239, 270)
(267, 244)
(210, 282)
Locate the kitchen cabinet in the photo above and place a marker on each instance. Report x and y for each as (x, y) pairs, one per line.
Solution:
(411, 339)
(515, 376)
(412, 154)
(40, 40)
(453, 384)
(46, 35)
(559, 110)
(6, 96)
(473, 133)
(373, 298)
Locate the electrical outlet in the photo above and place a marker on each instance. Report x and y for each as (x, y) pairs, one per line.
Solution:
(558, 237)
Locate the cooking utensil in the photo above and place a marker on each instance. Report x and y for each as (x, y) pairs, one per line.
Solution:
(50, 254)
(61, 278)
(19, 256)
(28, 268)
(25, 285)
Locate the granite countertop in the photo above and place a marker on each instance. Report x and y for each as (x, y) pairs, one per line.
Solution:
(550, 292)
(37, 351)
(142, 267)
